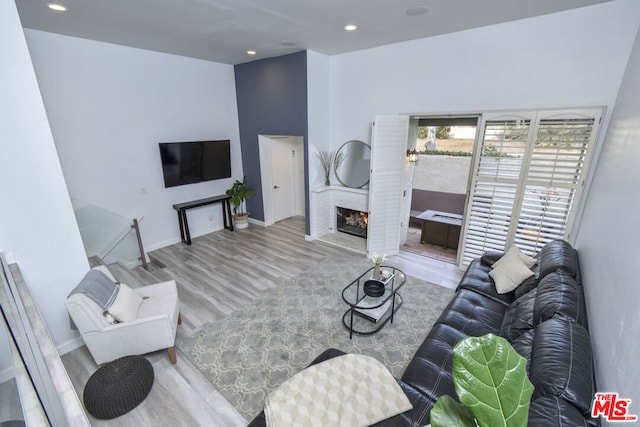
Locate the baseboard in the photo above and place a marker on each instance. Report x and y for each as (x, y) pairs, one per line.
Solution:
(257, 222)
(165, 243)
(160, 245)
(70, 345)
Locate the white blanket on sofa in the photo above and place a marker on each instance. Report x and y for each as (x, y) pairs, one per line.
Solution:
(349, 390)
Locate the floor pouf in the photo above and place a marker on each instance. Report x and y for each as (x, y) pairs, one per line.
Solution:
(117, 387)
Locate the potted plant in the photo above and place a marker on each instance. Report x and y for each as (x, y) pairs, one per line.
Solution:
(239, 194)
(491, 382)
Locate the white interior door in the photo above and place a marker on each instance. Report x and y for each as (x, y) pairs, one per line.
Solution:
(282, 178)
(388, 159)
(282, 166)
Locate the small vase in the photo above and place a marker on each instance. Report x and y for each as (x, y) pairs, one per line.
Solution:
(376, 272)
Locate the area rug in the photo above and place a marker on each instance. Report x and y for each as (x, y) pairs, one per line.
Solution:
(255, 349)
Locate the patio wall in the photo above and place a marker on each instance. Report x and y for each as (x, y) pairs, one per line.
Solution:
(448, 174)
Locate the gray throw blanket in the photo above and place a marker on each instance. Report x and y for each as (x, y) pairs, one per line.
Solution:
(97, 286)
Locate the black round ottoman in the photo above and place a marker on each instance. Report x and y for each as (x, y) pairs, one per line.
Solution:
(117, 387)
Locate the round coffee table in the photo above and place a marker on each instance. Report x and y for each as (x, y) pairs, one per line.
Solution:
(117, 387)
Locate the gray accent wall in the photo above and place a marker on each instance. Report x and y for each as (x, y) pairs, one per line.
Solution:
(272, 100)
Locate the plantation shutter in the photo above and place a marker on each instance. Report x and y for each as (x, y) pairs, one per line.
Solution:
(560, 154)
(498, 165)
(529, 173)
(388, 157)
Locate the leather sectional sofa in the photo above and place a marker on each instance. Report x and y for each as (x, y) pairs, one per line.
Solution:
(545, 321)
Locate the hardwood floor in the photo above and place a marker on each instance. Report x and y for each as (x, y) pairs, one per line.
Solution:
(218, 273)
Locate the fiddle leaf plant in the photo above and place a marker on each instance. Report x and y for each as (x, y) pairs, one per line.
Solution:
(491, 381)
(239, 194)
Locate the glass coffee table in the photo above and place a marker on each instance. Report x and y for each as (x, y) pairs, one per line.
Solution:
(368, 314)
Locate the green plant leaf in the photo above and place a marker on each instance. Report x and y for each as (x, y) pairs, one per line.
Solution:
(239, 193)
(491, 380)
(447, 412)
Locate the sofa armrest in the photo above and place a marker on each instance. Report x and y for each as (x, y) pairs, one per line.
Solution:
(135, 337)
(477, 279)
(491, 257)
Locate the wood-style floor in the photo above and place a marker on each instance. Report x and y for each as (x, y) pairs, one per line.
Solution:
(218, 273)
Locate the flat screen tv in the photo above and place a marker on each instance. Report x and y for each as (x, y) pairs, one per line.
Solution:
(196, 161)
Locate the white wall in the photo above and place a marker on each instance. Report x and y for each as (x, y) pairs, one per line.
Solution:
(110, 105)
(574, 58)
(37, 225)
(318, 91)
(609, 246)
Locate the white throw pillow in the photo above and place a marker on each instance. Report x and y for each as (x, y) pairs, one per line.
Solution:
(509, 274)
(126, 305)
(514, 252)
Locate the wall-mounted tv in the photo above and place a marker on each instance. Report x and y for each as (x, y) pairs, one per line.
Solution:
(195, 161)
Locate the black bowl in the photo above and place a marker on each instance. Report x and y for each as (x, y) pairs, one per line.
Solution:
(373, 288)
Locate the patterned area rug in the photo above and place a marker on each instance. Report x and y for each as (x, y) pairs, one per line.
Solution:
(255, 349)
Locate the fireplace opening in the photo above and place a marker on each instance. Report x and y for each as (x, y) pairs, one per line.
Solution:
(352, 222)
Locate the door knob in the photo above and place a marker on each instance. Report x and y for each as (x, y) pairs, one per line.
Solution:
(276, 187)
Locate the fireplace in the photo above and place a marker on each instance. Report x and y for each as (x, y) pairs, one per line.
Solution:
(352, 222)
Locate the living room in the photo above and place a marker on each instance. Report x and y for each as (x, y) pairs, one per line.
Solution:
(107, 106)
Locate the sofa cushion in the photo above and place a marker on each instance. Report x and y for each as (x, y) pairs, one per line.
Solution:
(558, 296)
(476, 278)
(491, 257)
(523, 345)
(554, 411)
(473, 314)
(515, 254)
(510, 274)
(559, 255)
(126, 305)
(527, 285)
(561, 363)
(430, 370)
(518, 318)
(419, 416)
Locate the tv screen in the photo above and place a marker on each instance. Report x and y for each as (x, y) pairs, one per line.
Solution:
(191, 162)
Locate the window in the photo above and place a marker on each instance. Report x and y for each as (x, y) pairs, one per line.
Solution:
(529, 173)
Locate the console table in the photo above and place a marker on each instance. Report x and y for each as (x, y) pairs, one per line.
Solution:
(182, 214)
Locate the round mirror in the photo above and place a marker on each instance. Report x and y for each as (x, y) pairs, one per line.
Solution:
(352, 164)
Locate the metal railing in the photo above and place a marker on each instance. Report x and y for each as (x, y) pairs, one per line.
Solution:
(108, 235)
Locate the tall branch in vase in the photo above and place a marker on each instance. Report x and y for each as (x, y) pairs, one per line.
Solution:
(337, 160)
(326, 159)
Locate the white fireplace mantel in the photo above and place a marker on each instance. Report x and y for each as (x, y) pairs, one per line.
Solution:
(323, 203)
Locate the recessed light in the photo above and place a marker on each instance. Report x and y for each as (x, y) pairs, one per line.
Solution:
(57, 7)
(251, 52)
(287, 43)
(350, 27)
(417, 10)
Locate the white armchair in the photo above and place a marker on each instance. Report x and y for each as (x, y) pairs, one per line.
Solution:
(154, 327)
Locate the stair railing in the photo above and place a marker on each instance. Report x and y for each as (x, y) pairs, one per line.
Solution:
(108, 235)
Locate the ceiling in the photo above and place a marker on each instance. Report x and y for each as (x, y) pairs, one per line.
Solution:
(223, 30)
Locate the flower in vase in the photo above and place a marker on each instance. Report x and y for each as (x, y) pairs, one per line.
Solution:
(377, 259)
